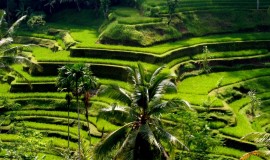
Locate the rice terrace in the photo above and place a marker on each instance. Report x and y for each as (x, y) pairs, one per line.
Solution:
(135, 79)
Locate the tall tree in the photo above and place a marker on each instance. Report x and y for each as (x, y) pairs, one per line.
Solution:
(142, 135)
(77, 73)
(65, 83)
(172, 5)
(88, 88)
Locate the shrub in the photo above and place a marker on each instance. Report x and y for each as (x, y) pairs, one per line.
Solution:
(188, 67)
(36, 21)
(154, 11)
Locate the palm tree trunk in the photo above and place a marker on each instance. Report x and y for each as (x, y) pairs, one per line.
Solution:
(86, 116)
(78, 110)
(68, 106)
(87, 96)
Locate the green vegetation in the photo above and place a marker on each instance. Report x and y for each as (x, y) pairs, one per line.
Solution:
(216, 52)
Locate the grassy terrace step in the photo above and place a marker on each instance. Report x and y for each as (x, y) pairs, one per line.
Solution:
(169, 55)
(243, 126)
(209, 82)
(47, 84)
(99, 70)
(169, 46)
(113, 71)
(59, 121)
(36, 95)
(187, 5)
(101, 125)
(58, 142)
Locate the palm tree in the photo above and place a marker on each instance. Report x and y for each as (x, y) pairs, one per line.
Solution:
(261, 138)
(65, 83)
(12, 54)
(88, 87)
(142, 135)
(77, 73)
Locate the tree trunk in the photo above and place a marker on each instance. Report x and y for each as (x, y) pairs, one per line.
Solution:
(78, 110)
(68, 105)
(86, 104)
(258, 4)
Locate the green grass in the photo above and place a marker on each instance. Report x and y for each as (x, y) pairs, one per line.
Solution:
(242, 53)
(99, 124)
(209, 82)
(129, 16)
(232, 152)
(243, 126)
(4, 88)
(165, 48)
(54, 127)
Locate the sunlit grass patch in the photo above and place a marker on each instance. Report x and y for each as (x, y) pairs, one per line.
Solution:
(228, 151)
(242, 53)
(243, 126)
(210, 81)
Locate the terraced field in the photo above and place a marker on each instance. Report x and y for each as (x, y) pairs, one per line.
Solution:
(239, 62)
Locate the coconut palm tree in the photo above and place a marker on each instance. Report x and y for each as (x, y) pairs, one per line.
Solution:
(261, 138)
(142, 134)
(88, 88)
(78, 72)
(65, 83)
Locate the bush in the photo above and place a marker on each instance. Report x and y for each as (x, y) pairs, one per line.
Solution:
(36, 21)
(152, 11)
(143, 34)
(189, 67)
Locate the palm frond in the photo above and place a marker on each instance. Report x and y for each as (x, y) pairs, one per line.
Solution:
(258, 137)
(15, 24)
(5, 42)
(257, 153)
(128, 147)
(169, 106)
(106, 145)
(167, 137)
(149, 136)
(162, 87)
(141, 74)
(119, 113)
(135, 76)
(114, 91)
(155, 74)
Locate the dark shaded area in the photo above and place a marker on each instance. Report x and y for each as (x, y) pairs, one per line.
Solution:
(239, 145)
